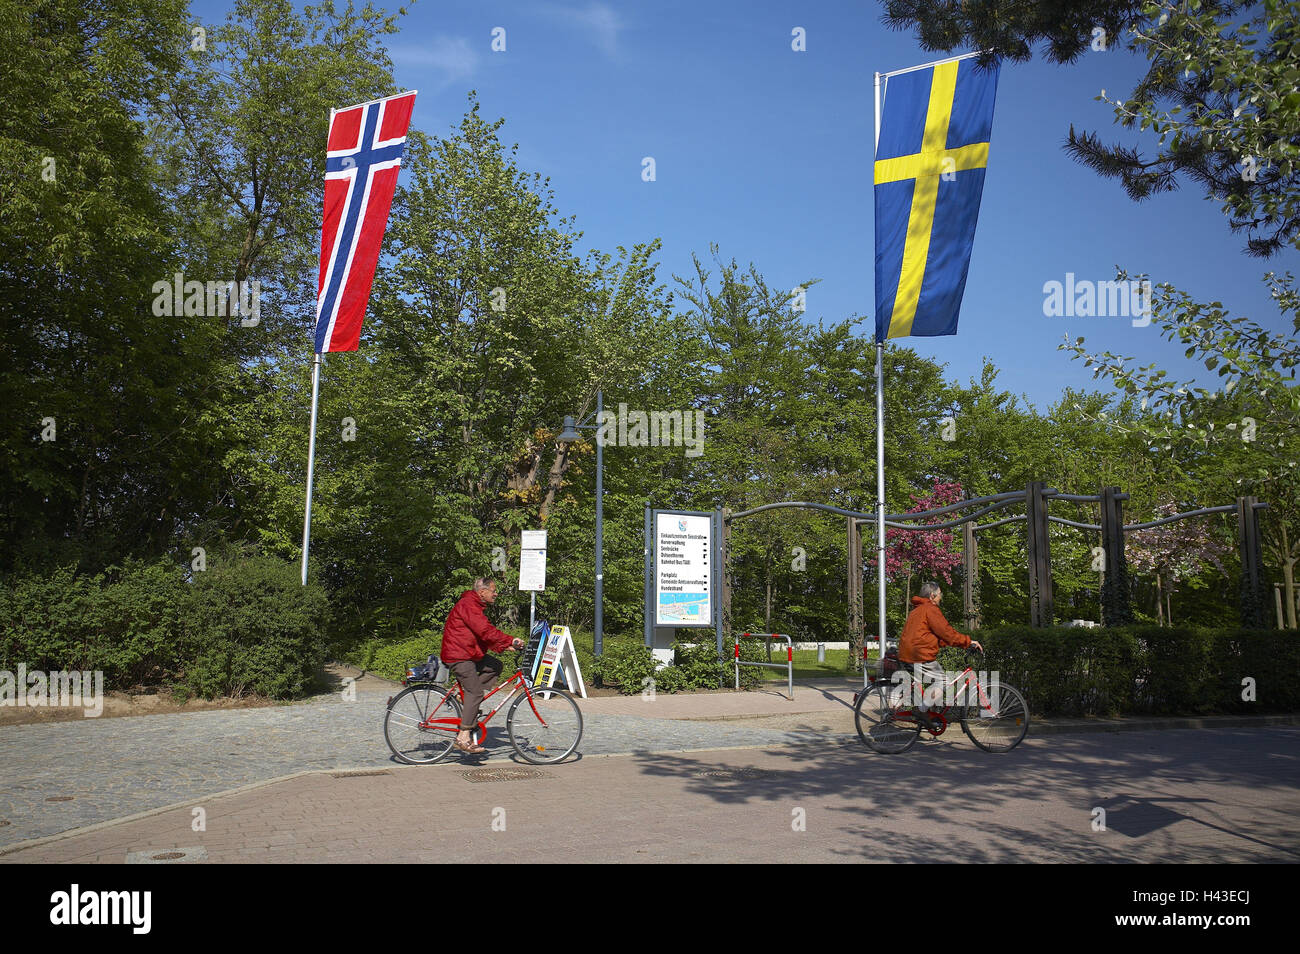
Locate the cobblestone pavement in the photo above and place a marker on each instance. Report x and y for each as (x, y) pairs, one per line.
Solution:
(1190, 797)
(64, 775)
(110, 768)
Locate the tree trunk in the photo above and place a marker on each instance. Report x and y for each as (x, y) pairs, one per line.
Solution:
(767, 612)
(559, 467)
(1160, 603)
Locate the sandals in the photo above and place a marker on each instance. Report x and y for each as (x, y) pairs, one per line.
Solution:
(469, 748)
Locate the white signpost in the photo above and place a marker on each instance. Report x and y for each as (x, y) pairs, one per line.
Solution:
(532, 568)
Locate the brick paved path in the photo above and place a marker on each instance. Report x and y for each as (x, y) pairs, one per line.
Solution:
(116, 767)
(1223, 795)
(61, 776)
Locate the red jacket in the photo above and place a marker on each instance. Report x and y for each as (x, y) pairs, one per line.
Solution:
(467, 633)
(925, 631)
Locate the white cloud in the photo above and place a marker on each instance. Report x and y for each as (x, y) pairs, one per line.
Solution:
(598, 19)
(451, 55)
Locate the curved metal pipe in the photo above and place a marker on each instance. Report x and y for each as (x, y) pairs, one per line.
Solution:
(1005, 498)
(1009, 495)
(1083, 498)
(803, 503)
(959, 521)
(998, 523)
(1074, 523)
(1226, 508)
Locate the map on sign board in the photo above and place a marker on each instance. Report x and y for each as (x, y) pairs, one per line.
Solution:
(683, 565)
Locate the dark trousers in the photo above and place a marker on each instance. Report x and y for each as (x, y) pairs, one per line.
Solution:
(476, 676)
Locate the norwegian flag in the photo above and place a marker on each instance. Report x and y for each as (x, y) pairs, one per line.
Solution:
(361, 162)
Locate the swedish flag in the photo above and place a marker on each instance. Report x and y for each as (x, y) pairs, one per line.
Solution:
(929, 176)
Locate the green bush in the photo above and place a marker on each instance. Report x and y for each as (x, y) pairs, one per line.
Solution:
(249, 626)
(700, 667)
(245, 625)
(626, 664)
(1142, 669)
(753, 650)
(122, 622)
(389, 660)
(670, 679)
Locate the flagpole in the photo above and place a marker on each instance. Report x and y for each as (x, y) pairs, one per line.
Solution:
(311, 464)
(311, 445)
(880, 449)
(913, 69)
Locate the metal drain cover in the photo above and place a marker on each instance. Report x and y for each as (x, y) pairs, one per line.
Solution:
(359, 773)
(168, 856)
(739, 773)
(502, 774)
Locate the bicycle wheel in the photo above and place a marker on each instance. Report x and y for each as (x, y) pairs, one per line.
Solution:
(410, 708)
(874, 716)
(547, 729)
(1001, 728)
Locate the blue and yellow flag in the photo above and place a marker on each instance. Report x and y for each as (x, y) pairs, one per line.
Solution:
(929, 172)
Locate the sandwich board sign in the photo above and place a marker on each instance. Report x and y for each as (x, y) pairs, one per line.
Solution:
(560, 659)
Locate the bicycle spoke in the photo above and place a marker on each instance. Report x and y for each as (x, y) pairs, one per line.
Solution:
(405, 724)
(1002, 729)
(884, 727)
(544, 727)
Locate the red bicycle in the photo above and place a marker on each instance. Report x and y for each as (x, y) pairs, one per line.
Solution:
(544, 725)
(889, 717)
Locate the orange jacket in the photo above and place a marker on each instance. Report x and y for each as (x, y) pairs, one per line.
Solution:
(925, 631)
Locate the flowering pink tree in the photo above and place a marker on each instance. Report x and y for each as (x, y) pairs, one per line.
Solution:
(930, 553)
(1173, 552)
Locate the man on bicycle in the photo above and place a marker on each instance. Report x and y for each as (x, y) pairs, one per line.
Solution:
(924, 632)
(466, 636)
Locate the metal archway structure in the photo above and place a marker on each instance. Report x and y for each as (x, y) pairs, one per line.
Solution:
(1035, 498)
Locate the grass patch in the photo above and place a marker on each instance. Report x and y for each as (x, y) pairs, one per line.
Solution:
(806, 665)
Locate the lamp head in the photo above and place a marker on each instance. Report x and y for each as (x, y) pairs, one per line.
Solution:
(570, 432)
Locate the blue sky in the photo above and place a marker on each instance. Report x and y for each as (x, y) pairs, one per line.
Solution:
(767, 152)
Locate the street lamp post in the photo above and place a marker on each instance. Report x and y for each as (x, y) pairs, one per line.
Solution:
(570, 433)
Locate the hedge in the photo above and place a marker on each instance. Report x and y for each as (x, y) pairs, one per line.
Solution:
(245, 625)
(1143, 669)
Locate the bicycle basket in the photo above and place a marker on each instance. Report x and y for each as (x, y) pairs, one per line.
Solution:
(883, 669)
(432, 671)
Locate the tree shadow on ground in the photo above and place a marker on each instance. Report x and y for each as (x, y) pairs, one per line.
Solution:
(950, 801)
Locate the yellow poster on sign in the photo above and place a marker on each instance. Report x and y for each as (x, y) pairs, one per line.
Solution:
(558, 656)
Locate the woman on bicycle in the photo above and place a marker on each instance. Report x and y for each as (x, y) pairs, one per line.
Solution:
(466, 637)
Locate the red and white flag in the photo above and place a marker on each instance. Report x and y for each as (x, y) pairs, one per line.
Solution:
(363, 155)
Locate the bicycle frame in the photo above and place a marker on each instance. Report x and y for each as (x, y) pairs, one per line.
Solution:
(515, 682)
(969, 676)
